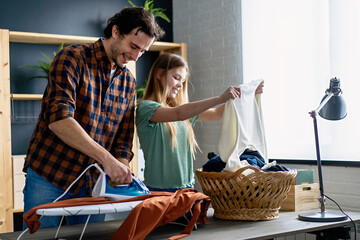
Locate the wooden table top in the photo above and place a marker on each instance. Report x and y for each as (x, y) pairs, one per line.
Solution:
(286, 224)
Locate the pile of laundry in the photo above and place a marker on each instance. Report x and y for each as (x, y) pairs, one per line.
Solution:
(242, 137)
(251, 157)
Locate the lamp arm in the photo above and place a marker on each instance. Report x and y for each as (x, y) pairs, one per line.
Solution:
(321, 187)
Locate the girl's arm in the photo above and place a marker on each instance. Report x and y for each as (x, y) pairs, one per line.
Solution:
(212, 114)
(188, 110)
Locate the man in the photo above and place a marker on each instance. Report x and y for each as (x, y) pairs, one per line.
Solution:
(87, 114)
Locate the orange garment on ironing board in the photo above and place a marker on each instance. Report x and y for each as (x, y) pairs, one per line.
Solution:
(156, 209)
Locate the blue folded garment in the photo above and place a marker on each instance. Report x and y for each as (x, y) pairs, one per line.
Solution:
(215, 164)
(253, 157)
(252, 160)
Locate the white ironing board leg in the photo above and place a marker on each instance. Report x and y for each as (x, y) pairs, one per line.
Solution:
(58, 230)
(87, 221)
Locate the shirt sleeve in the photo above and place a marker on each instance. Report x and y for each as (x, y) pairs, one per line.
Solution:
(63, 77)
(145, 111)
(193, 120)
(125, 134)
(124, 140)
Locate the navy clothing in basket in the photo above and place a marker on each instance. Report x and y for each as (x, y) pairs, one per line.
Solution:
(253, 157)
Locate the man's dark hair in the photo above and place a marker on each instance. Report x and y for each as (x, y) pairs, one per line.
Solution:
(135, 17)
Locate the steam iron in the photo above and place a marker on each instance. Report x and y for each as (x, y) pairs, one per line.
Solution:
(103, 187)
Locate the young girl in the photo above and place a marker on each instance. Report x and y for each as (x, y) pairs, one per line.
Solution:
(164, 120)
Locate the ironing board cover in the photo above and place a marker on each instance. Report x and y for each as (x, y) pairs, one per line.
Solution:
(123, 207)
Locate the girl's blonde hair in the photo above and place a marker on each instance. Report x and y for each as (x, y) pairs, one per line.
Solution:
(159, 91)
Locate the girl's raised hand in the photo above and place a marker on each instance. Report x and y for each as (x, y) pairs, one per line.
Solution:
(259, 89)
(231, 92)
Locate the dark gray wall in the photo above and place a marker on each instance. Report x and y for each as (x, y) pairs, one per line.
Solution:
(72, 17)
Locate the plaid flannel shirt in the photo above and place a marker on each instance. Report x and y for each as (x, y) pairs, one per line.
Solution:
(79, 87)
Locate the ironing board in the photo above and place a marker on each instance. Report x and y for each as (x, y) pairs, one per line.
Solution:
(136, 188)
(125, 208)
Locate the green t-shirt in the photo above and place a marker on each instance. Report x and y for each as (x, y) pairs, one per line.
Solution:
(164, 167)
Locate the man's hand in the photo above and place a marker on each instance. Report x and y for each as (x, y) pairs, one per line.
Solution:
(124, 161)
(118, 172)
(70, 131)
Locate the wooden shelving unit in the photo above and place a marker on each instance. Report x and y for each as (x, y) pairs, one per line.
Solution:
(6, 165)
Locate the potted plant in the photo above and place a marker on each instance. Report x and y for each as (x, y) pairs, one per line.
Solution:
(158, 12)
(44, 66)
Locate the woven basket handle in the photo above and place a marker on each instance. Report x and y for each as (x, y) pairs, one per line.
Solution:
(243, 169)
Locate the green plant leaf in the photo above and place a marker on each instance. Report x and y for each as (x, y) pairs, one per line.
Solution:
(151, 7)
(46, 57)
(157, 12)
(163, 16)
(140, 91)
(44, 64)
(132, 4)
(60, 47)
(148, 4)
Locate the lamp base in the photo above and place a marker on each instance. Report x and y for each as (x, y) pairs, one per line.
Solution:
(327, 216)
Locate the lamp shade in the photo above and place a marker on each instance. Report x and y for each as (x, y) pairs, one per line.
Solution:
(335, 107)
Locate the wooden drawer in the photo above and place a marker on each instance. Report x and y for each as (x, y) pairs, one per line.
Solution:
(302, 197)
(19, 182)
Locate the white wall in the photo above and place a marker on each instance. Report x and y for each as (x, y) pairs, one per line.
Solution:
(212, 30)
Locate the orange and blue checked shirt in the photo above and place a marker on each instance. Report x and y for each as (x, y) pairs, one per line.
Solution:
(80, 87)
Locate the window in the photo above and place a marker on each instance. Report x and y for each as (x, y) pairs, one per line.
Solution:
(297, 46)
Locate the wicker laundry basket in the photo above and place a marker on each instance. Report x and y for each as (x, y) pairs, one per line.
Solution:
(247, 194)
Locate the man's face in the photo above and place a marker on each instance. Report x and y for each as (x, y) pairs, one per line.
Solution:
(129, 47)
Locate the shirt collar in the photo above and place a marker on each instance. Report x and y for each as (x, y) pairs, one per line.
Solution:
(100, 51)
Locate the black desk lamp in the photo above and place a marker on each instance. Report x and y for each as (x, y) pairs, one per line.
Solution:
(332, 107)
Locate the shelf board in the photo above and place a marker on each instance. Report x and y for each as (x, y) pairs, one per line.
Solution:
(57, 39)
(164, 46)
(26, 96)
(20, 210)
(45, 38)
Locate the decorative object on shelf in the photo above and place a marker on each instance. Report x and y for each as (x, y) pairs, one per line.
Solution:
(158, 12)
(332, 107)
(43, 65)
